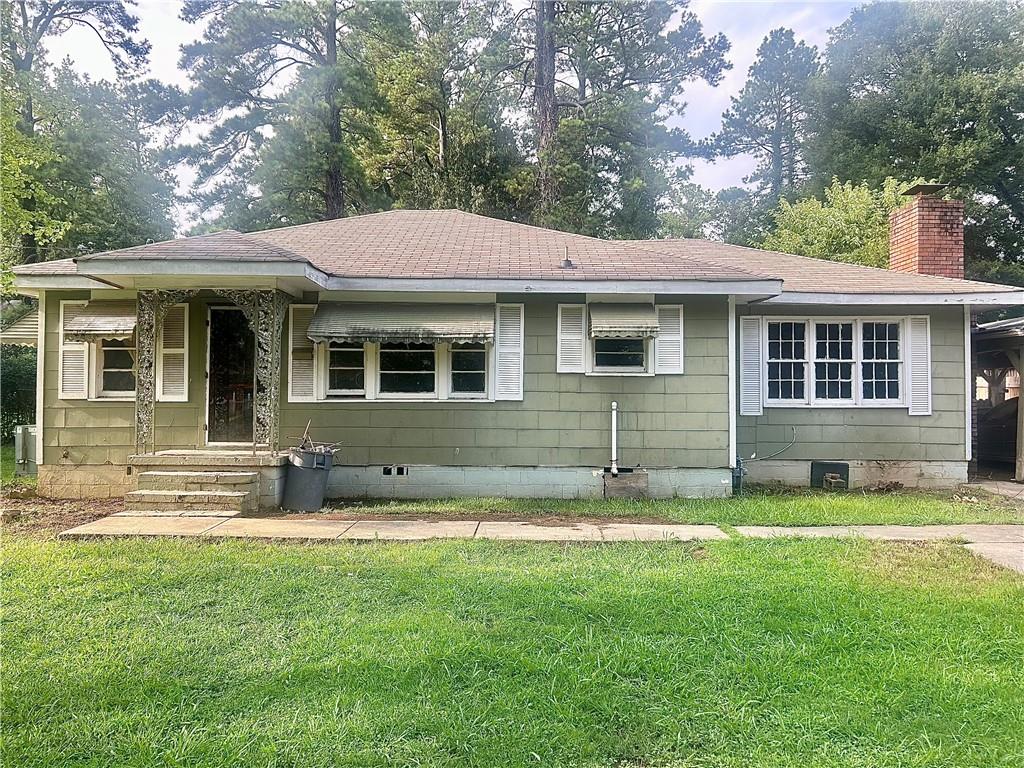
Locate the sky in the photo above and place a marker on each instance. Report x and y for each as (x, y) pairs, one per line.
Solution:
(744, 23)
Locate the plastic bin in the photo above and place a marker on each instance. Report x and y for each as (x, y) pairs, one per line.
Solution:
(306, 479)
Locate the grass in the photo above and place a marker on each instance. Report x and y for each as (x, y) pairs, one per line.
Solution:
(739, 653)
(753, 508)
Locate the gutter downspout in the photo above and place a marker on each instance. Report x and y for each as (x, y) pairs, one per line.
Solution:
(615, 439)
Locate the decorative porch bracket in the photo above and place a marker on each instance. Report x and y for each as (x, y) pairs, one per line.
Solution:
(152, 306)
(265, 311)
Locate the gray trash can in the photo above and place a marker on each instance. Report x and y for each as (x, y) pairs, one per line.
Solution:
(306, 481)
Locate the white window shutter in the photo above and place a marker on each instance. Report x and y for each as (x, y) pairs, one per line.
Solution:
(751, 366)
(73, 359)
(919, 366)
(668, 344)
(172, 356)
(572, 338)
(301, 355)
(508, 352)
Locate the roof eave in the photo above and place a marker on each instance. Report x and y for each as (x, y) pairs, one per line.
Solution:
(952, 298)
(31, 284)
(754, 289)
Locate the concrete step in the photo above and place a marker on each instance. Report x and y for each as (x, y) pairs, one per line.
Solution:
(177, 513)
(188, 501)
(159, 480)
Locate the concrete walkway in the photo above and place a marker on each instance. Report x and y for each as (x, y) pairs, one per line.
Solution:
(1002, 544)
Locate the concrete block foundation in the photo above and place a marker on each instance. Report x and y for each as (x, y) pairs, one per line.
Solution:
(863, 474)
(436, 482)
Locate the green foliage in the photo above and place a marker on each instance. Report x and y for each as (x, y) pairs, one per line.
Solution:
(934, 90)
(625, 65)
(17, 388)
(851, 224)
(732, 215)
(767, 119)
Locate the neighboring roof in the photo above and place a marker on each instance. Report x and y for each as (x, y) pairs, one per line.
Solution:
(807, 275)
(458, 245)
(1013, 326)
(24, 331)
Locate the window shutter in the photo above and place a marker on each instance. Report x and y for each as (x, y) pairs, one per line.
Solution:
(301, 355)
(508, 349)
(751, 366)
(668, 344)
(73, 360)
(172, 356)
(572, 338)
(919, 358)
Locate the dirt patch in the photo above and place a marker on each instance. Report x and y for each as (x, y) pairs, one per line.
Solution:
(44, 518)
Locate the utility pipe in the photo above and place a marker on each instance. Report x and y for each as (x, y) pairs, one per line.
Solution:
(615, 439)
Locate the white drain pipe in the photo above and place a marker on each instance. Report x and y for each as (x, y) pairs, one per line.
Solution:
(615, 439)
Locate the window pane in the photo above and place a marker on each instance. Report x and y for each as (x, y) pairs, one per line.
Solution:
(118, 381)
(346, 380)
(407, 382)
(469, 382)
(619, 353)
(346, 358)
(407, 357)
(469, 361)
(117, 358)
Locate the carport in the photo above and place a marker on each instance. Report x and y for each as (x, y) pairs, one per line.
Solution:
(998, 351)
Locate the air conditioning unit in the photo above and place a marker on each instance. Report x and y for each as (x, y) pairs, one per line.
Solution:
(25, 449)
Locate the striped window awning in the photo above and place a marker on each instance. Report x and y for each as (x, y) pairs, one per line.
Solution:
(24, 331)
(623, 321)
(102, 320)
(411, 323)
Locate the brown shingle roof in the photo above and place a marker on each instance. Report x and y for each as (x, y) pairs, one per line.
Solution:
(227, 244)
(58, 267)
(805, 274)
(454, 244)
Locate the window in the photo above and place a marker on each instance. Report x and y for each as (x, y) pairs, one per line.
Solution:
(833, 361)
(116, 367)
(468, 370)
(625, 355)
(407, 369)
(346, 369)
(787, 361)
(882, 368)
(843, 362)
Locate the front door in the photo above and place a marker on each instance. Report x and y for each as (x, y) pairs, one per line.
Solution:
(231, 376)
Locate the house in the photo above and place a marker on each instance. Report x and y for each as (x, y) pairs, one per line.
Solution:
(452, 354)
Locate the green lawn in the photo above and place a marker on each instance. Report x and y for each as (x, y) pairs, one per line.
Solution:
(753, 508)
(735, 653)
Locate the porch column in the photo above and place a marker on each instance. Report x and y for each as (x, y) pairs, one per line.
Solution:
(151, 308)
(265, 311)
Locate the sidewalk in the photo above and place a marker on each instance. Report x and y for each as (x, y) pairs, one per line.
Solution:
(1002, 544)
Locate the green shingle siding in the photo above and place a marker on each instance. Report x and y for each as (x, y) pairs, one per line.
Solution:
(873, 433)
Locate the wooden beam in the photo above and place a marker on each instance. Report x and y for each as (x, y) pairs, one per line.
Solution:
(1015, 357)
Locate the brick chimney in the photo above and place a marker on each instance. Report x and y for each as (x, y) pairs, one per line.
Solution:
(927, 234)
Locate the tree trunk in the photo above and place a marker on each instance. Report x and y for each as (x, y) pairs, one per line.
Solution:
(334, 180)
(442, 141)
(544, 98)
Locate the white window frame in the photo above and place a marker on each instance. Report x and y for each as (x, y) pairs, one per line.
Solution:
(346, 394)
(858, 400)
(450, 393)
(96, 357)
(593, 369)
(434, 394)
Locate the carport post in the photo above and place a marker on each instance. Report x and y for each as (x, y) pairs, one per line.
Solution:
(1015, 357)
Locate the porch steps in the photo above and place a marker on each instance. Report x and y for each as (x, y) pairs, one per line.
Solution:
(190, 502)
(187, 480)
